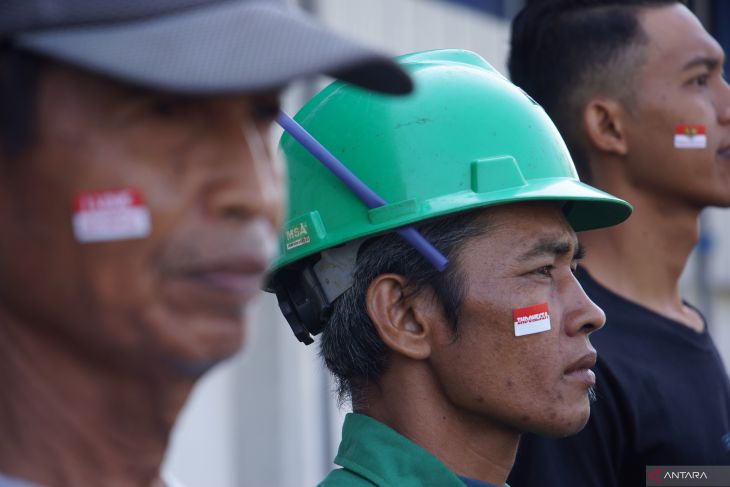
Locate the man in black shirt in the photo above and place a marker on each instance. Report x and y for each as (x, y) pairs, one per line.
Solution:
(637, 91)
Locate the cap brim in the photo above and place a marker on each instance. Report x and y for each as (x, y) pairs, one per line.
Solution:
(227, 47)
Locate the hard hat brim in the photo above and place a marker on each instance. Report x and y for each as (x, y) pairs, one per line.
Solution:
(585, 208)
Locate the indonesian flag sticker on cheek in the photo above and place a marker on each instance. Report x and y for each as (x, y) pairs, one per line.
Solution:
(532, 319)
(109, 215)
(690, 137)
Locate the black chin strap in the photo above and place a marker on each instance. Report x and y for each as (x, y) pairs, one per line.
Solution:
(302, 301)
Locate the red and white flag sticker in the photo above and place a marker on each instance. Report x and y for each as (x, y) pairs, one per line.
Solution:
(690, 137)
(116, 214)
(532, 319)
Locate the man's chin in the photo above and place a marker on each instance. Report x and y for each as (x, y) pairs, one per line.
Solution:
(195, 366)
(196, 369)
(564, 425)
(200, 352)
(562, 431)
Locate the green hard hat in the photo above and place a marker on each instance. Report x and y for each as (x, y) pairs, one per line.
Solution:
(466, 138)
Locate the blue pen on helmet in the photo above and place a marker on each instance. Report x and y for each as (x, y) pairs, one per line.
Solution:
(361, 190)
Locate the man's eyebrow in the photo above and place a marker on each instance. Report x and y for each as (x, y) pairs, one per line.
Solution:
(710, 63)
(552, 247)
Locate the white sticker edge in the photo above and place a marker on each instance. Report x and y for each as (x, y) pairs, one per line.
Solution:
(682, 141)
(140, 228)
(532, 327)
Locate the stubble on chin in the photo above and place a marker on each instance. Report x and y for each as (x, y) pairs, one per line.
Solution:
(592, 394)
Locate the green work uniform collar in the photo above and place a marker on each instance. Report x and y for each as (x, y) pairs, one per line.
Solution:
(384, 457)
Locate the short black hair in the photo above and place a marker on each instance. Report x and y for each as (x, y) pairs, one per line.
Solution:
(350, 344)
(19, 76)
(565, 51)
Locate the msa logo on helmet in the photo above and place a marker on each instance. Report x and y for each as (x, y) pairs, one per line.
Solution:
(302, 233)
(297, 236)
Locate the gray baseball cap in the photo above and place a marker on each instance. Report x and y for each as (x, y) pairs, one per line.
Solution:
(195, 46)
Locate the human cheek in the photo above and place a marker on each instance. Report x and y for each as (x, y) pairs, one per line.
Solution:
(539, 354)
(532, 383)
(528, 334)
(544, 347)
(118, 276)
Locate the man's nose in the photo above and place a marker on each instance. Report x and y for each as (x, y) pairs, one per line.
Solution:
(249, 181)
(582, 315)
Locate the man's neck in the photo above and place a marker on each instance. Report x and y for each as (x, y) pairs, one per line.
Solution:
(470, 445)
(66, 421)
(643, 258)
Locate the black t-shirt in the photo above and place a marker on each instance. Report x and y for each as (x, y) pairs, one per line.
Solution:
(663, 398)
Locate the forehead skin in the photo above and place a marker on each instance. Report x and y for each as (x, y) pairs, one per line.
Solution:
(676, 37)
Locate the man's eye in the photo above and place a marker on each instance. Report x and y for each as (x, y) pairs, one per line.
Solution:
(165, 107)
(546, 271)
(700, 80)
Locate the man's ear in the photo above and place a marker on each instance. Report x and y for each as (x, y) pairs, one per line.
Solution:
(604, 126)
(402, 321)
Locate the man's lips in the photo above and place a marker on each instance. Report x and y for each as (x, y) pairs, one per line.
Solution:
(223, 267)
(236, 279)
(244, 285)
(580, 370)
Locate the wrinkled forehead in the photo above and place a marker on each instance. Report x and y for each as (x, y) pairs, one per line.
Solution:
(520, 230)
(69, 93)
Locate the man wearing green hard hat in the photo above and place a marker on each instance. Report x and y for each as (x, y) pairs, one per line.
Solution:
(447, 361)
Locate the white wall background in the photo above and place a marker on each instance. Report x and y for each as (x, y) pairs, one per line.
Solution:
(267, 418)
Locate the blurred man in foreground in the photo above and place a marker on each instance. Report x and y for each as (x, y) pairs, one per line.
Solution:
(139, 204)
